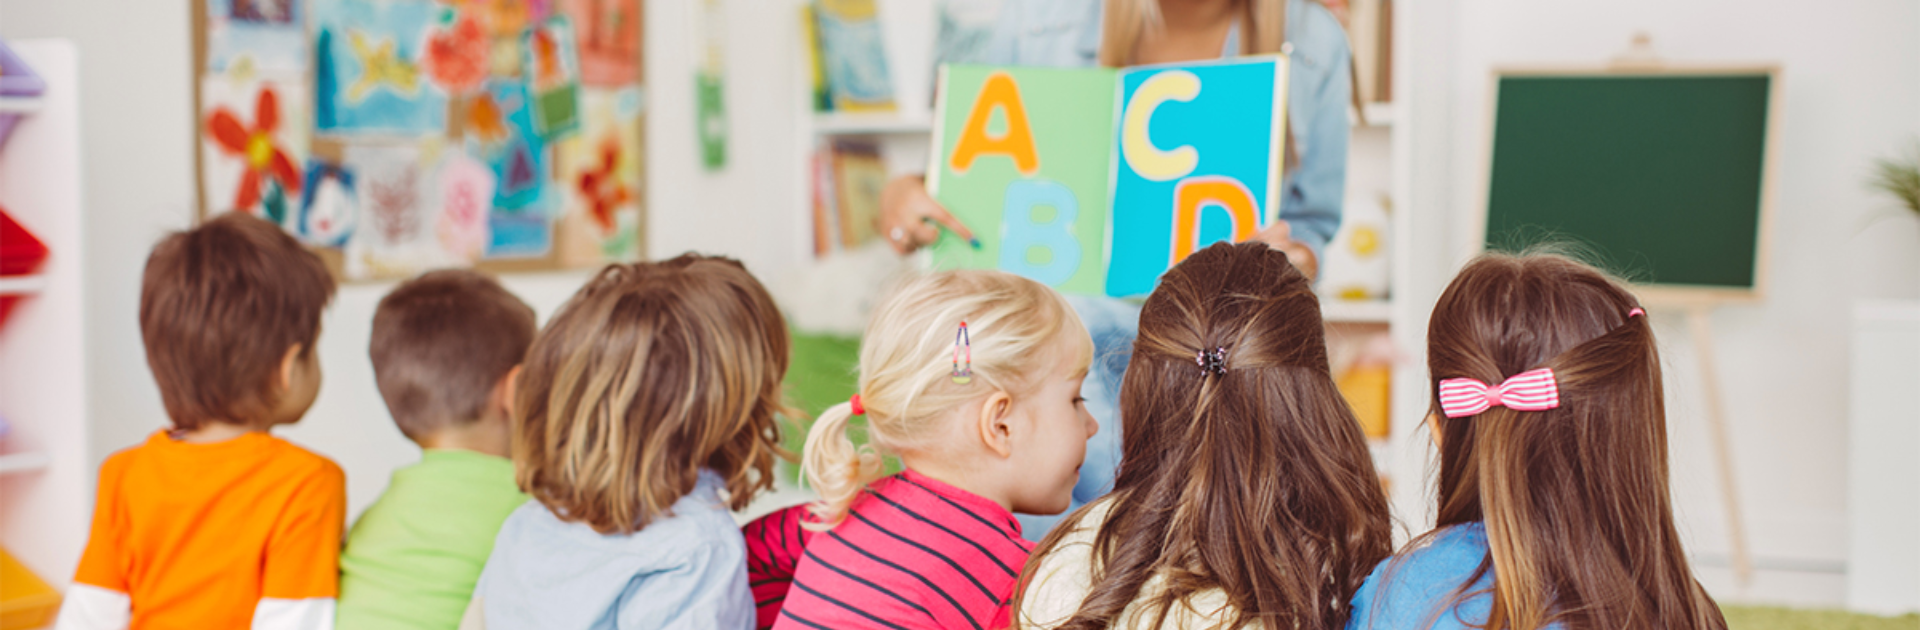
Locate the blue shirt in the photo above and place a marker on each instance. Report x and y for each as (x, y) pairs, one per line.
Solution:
(686, 570)
(1408, 590)
(1066, 33)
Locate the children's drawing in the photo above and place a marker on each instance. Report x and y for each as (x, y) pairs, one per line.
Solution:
(457, 52)
(397, 195)
(368, 67)
(599, 170)
(553, 77)
(253, 138)
(609, 36)
(251, 35)
(466, 198)
(519, 157)
(329, 208)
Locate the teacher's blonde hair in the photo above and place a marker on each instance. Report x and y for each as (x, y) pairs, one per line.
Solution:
(1017, 329)
(1263, 28)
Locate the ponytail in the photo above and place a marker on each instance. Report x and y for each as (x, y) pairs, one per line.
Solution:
(835, 467)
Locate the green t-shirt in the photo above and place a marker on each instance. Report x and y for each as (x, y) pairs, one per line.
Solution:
(412, 559)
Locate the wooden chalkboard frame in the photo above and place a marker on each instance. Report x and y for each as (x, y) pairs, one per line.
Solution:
(1680, 295)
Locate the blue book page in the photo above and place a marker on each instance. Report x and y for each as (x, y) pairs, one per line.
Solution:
(1197, 159)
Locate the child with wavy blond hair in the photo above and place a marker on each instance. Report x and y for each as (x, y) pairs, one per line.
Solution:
(973, 379)
(643, 414)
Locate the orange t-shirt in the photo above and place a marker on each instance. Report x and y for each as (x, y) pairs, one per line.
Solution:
(197, 534)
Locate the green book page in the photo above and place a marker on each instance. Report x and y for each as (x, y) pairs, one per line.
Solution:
(1023, 157)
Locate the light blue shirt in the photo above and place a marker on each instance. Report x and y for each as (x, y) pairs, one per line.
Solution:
(1066, 33)
(1410, 589)
(687, 570)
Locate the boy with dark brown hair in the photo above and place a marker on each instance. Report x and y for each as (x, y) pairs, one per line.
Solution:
(215, 523)
(446, 348)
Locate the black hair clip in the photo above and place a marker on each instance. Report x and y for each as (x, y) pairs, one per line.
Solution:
(1212, 363)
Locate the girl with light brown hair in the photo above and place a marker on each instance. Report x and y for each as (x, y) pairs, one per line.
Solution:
(1246, 496)
(1554, 510)
(643, 414)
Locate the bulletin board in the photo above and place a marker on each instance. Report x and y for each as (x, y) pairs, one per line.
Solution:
(1661, 173)
(396, 136)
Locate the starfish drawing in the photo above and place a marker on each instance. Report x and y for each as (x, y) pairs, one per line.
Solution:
(382, 68)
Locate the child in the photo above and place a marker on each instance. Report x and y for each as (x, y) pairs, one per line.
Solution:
(651, 392)
(445, 349)
(215, 523)
(1246, 496)
(1553, 500)
(973, 379)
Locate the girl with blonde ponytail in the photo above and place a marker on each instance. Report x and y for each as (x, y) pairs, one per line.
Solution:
(973, 379)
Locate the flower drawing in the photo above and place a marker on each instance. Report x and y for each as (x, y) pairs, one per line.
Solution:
(601, 186)
(255, 147)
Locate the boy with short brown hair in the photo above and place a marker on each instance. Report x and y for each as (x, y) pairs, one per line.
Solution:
(215, 523)
(446, 347)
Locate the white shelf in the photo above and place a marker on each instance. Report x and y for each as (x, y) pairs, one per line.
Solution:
(23, 462)
(1378, 115)
(841, 124)
(12, 104)
(22, 285)
(1337, 311)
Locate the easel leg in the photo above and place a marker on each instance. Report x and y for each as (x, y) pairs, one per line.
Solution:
(1700, 323)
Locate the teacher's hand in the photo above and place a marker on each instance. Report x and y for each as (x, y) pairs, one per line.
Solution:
(1279, 236)
(908, 215)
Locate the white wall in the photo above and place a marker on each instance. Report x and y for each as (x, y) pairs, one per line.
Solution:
(137, 116)
(1852, 87)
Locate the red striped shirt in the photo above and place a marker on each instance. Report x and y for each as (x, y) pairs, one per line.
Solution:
(912, 553)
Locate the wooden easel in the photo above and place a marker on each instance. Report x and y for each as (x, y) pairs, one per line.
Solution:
(1699, 307)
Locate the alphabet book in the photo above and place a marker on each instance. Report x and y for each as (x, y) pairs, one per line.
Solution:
(1096, 181)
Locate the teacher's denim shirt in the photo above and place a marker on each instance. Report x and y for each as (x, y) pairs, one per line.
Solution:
(1066, 33)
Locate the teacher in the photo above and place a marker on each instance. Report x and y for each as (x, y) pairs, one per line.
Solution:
(1118, 33)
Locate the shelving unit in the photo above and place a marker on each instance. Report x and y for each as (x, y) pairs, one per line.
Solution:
(14, 105)
(22, 285)
(23, 462)
(45, 496)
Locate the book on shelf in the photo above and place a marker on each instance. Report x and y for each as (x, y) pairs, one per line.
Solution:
(848, 177)
(853, 51)
(1095, 181)
(816, 60)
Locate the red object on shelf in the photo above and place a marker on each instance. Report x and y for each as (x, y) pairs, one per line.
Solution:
(20, 251)
(20, 254)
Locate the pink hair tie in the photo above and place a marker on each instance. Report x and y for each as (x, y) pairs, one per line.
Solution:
(1636, 311)
(1532, 390)
(858, 409)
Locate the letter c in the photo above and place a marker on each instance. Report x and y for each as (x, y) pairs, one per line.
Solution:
(1144, 158)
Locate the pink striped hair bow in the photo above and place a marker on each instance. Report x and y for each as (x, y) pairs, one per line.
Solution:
(1532, 390)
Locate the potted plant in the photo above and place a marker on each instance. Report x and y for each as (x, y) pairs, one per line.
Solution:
(1900, 176)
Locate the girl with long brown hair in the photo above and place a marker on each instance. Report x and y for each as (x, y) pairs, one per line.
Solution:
(1553, 503)
(1245, 496)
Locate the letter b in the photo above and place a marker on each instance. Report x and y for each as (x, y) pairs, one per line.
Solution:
(1021, 234)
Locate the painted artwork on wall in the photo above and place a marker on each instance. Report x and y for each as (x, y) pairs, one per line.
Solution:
(406, 135)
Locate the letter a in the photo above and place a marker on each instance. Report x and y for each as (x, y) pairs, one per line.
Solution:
(1194, 193)
(1002, 92)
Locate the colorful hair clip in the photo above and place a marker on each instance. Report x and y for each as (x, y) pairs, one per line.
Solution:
(962, 356)
(1212, 363)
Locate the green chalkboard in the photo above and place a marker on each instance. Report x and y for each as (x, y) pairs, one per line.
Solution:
(1659, 175)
